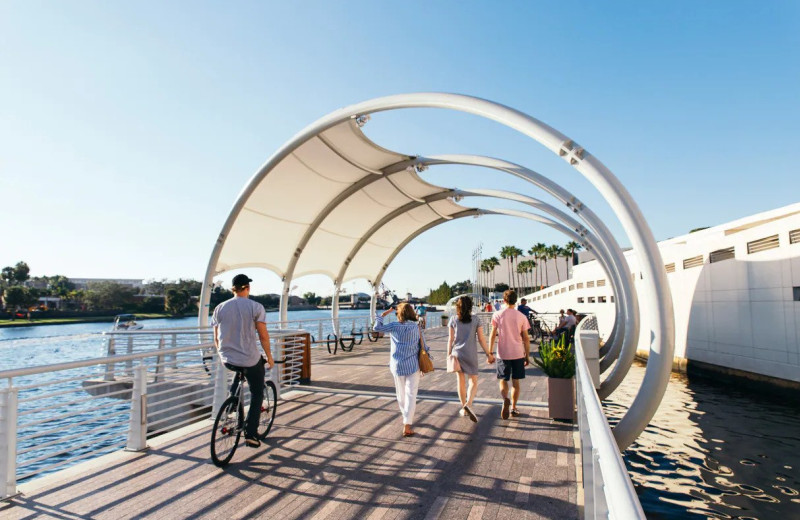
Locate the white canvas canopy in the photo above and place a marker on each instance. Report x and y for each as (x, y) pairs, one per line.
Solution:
(338, 202)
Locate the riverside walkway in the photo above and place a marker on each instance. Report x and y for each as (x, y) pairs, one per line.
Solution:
(335, 451)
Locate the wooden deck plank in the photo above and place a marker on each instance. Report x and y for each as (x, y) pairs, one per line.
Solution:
(341, 455)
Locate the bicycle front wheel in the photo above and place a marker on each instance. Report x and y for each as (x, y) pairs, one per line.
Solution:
(267, 410)
(228, 428)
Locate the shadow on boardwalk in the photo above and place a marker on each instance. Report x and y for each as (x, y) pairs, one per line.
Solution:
(337, 455)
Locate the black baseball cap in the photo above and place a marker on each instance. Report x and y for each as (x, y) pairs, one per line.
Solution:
(240, 280)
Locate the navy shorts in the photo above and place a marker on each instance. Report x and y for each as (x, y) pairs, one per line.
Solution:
(511, 368)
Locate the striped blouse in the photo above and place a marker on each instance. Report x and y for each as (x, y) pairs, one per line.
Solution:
(404, 357)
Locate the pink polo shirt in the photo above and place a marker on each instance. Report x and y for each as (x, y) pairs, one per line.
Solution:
(510, 323)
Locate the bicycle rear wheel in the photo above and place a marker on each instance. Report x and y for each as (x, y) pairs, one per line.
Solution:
(267, 410)
(228, 428)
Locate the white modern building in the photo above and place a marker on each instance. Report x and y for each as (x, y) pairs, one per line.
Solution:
(736, 294)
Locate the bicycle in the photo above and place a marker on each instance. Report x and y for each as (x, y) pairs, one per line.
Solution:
(539, 329)
(230, 421)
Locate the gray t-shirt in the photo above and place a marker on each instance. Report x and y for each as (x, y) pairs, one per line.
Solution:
(238, 340)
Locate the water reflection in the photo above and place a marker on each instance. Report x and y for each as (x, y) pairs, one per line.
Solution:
(713, 451)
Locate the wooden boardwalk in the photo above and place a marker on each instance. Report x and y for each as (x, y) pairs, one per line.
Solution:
(335, 451)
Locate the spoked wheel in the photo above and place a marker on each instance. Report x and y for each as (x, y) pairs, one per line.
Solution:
(228, 428)
(267, 410)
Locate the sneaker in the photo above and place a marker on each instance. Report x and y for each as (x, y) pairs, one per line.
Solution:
(515, 412)
(504, 410)
(252, 441)
(469, 414)
(462, 413)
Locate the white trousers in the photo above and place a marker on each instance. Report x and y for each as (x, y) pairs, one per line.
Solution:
(406, 389)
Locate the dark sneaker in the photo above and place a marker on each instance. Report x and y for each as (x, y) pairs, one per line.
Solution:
(252, 441)
(506, 406)
(469, 414)
(515, 413)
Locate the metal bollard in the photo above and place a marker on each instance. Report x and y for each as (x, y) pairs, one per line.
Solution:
(137, 430)
(8, 441)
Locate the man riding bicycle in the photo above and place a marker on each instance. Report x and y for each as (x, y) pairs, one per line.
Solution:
(238, 323)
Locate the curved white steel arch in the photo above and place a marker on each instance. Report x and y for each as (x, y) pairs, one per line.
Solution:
(612, 262)
(628, 349)
(657, 302)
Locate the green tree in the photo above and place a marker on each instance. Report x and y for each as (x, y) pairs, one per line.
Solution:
(553, 253)
(21, 272)
(312, 298)
(500, 287)
(7, 275)
(193, 287)
(441, 295)
(572, 246)
(177, 301)
(59, 285)
(109, 296)
(506, 253)
(16, 297)
(538, 252)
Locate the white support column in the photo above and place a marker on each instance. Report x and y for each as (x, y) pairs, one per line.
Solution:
(373, 306)
(335, 308)
(220, 386)
(283, 307)
(137, 430)
(8, 441)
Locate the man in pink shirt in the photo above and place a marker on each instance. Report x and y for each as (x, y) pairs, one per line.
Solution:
(510, 330)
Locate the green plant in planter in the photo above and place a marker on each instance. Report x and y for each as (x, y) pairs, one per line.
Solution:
(557, 359)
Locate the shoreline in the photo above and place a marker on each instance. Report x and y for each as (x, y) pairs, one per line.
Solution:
(22, 322)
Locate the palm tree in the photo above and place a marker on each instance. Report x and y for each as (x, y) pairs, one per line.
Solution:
(485, 269)
(572, 246)
(521, 269)
(538, 254)
(506, 253)
(525, 267)
(492, 262)
(515, 253)
(555, 252)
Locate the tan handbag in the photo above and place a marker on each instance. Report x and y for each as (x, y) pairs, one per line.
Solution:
(425, 361)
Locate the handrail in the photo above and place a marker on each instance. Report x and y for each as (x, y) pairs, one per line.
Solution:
(106, 360)
(608, 490)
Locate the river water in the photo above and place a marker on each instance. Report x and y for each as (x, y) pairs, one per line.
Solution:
(712, 451)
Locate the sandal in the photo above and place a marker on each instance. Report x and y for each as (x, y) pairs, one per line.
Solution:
(408, 434)
(515, 412)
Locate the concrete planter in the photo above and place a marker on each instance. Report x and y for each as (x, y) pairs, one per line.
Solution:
(561, 398)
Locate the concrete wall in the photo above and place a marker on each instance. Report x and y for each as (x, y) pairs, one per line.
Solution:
(738, 313)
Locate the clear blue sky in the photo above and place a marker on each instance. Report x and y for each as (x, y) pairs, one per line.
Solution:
(128, 129)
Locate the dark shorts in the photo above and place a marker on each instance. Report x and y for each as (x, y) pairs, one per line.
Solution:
(511, 368)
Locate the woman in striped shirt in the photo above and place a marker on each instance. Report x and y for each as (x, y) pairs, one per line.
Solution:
(405, 337)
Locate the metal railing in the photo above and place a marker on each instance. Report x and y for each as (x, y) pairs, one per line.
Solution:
(54, 416)
(608, 490)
